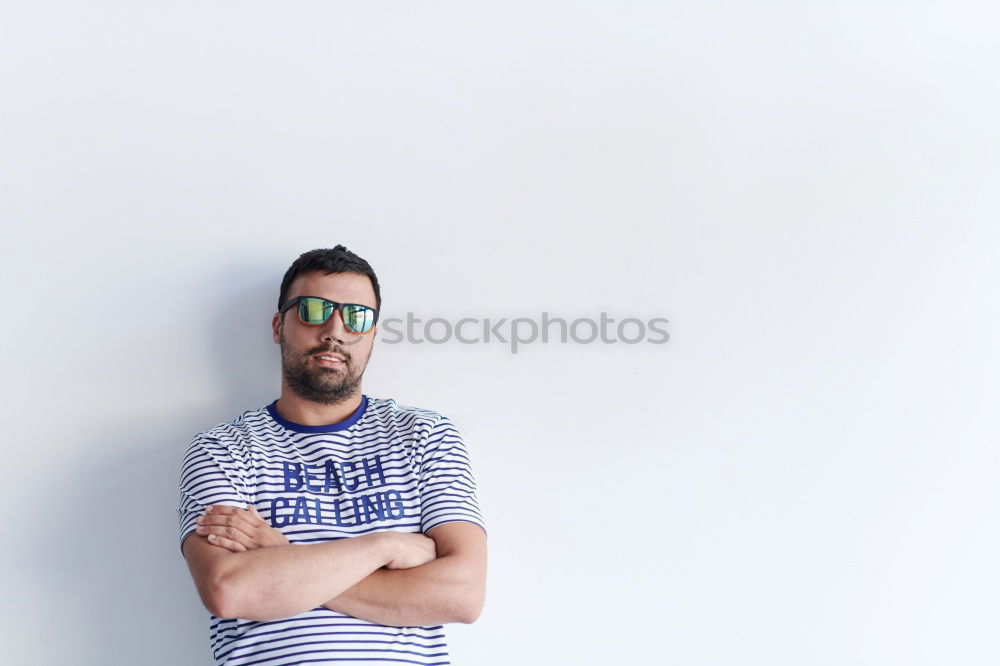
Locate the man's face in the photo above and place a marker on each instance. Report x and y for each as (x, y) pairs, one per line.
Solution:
(305, 373)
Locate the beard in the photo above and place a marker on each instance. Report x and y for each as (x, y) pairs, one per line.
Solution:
(326, 386)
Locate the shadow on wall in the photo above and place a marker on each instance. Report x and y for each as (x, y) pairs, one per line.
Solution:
(114, 547)
(246, 360)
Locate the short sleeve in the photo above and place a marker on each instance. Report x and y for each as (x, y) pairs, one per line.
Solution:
(209, 475)
(446, 485)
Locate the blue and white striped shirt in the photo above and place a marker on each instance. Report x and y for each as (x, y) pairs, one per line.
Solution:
(387, 467)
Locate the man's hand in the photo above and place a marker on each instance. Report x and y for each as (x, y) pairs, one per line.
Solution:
(238, 529)
(412, 550)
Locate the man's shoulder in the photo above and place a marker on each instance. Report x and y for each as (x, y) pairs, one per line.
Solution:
(236, 430)
(391, 410)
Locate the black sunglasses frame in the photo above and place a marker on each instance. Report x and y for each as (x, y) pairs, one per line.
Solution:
(336, 306)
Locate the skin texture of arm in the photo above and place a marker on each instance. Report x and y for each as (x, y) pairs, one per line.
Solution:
(451, 588)
(280, 581)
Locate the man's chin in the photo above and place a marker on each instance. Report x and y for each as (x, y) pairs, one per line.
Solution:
(333, 382)
(323, 385)
(324, 395)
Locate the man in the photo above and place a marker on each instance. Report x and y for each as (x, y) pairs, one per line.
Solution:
(331, 526)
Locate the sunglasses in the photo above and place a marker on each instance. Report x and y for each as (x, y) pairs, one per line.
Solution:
(315, 311)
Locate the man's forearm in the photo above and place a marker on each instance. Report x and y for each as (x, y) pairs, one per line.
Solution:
(282, 581)
(436, 592)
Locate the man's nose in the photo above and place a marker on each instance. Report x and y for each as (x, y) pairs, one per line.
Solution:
(334, 328)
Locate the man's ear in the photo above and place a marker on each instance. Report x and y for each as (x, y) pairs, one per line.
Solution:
(276, 327)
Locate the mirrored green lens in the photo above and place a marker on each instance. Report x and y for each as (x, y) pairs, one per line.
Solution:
(315, 310)
(358, 318)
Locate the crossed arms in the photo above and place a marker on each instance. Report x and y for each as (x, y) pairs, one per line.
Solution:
(347, 575)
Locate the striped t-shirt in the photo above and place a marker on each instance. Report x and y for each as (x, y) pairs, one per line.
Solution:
(387, 467)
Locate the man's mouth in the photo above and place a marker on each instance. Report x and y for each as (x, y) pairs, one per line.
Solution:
(330, 360)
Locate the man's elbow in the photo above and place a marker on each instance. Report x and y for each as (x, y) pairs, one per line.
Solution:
(231, 599)
(470, 616)
(221, 591)
(222, 606)
(225, 581)
(472, 608)
(220, 599)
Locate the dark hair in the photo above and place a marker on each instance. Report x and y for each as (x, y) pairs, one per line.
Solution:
(337, 260)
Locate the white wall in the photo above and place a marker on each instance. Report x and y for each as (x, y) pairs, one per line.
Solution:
(804, 474)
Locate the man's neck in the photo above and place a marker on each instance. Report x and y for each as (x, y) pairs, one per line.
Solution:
(308, 413)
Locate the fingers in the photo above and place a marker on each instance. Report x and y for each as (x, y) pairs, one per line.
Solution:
(228, 544)
(227, 533)
(233, 524)
(249, 514)
(224, 509)
(253, 516)
(233, 521)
